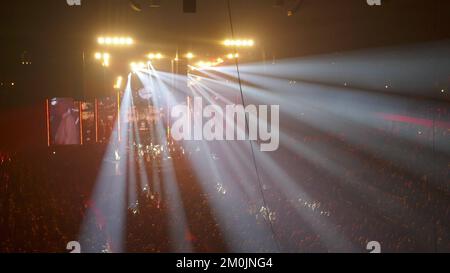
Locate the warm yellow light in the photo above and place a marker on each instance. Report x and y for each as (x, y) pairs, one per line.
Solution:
(239, 43)
(153, 56)
(208, 64)
(190, 55)
(202, 64)
(118, 84)
(115, 41)
(104, 57)
(233, 56)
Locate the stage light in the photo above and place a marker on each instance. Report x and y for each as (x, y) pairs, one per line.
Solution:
(115, 41)
(135, 66)
(294, 7)
(190, 55)
(104, 57)
(135, 6)
(233, 56)
(202, 64)
(118, 84)
(207, 64)
(153, 56)
(239, 43)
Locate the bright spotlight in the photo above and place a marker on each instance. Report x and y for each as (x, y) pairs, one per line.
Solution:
(208, 64)
(203, 64)
(190, 55)
(233, 56)
(153, 56)
(104, 57)
(118, 84)
(115, 41)
(239, 43)
(135, 66)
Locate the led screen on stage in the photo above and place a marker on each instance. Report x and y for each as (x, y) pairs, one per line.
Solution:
(107, 113)
(64, 121)
(88, 122)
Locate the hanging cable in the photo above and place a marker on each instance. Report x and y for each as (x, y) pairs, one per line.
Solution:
(247, 130)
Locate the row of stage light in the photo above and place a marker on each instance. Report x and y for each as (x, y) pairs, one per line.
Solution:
(123, 41)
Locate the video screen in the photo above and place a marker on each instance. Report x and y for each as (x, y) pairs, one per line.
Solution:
(89, 122)
(107, 118)
(64, 121)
